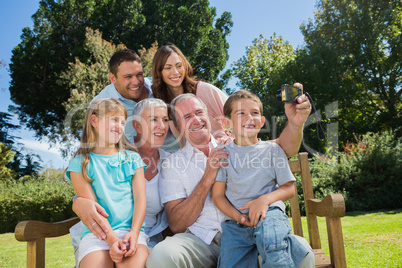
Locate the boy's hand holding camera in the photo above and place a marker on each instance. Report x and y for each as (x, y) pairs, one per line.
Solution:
(299, 110)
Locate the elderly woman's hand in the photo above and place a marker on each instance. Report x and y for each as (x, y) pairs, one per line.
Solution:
(92, 215)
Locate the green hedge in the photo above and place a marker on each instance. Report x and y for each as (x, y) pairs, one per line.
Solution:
(34, 198)
(367, 173)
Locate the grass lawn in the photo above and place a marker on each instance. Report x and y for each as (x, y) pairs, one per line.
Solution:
(372, 239)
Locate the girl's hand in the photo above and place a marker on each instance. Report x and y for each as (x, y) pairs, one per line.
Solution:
(256, 210)
(117, 251)
(132, 240)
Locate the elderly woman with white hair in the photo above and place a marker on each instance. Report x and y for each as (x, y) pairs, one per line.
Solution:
(151, 122)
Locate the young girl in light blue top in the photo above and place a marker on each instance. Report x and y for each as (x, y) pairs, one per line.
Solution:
(106, 170)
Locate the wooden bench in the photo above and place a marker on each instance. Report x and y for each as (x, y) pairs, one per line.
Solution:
(332, 207)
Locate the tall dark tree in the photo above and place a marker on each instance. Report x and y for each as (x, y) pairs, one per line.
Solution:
(20, 164)
(58, 36)
(353, 54)
(5, 127)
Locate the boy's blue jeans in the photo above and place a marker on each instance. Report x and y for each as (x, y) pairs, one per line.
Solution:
(240, 244)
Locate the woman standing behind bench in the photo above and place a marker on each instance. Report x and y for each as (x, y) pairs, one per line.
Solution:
(172, 76)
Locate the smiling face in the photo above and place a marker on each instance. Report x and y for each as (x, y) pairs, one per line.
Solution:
(109, 128)
(153, 126)
(173, 74)
(247, 121)
(129, 80)
(193, 121)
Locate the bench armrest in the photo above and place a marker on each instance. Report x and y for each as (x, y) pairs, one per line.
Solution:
(32, 230)
(332, 206)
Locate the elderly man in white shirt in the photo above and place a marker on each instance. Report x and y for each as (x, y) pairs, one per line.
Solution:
(186, 179)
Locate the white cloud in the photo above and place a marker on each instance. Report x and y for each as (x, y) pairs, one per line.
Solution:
(36, 146)
(50, 156)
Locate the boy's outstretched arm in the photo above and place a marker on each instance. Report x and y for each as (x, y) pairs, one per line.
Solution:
(259, 207)
(297, 114)
(221, 202)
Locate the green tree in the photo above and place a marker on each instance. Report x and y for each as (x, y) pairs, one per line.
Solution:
(6, 155)
(44, 52)
(58, 37)
(147, 56)
(32, 165)
(20, 164)
(5, 127)
(353, 54)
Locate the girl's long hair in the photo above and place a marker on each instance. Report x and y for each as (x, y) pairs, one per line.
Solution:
(160, 89)
(100, 107)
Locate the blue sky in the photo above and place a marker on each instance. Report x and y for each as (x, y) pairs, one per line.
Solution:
(251, 18)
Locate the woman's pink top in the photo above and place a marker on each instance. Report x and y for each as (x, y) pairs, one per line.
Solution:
(214, 99)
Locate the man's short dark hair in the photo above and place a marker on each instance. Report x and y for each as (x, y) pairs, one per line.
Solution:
(120, 56)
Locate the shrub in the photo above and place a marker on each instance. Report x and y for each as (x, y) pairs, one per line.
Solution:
(34, 198)
(367, 173)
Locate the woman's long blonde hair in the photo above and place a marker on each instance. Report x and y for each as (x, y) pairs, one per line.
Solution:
(160, 89)
(100, 107)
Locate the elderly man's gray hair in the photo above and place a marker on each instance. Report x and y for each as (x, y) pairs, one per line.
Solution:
(182, 98)
(145, 103)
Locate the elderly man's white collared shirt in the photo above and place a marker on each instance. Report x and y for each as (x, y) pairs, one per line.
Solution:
(181, 172)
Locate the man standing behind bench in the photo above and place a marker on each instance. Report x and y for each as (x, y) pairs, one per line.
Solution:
(128, 84)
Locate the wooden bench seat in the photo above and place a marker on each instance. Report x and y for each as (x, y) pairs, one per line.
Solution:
(332, 207)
